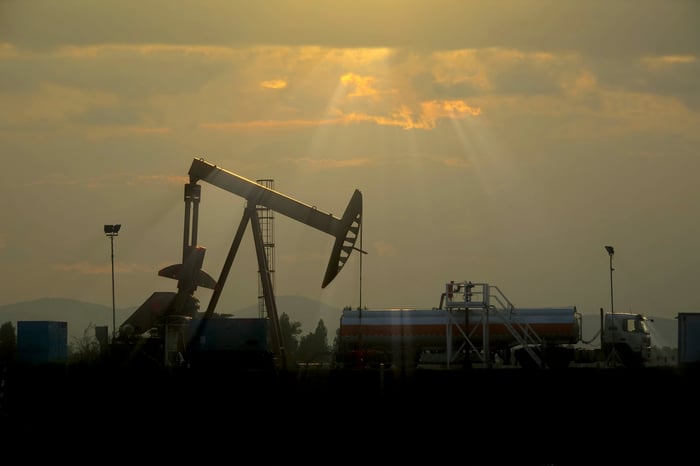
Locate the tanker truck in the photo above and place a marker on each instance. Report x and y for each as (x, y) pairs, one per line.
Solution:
(475, 322)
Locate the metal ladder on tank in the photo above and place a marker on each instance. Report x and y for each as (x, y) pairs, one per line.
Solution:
(470, 296)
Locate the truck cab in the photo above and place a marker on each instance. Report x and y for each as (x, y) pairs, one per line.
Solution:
(627, 335)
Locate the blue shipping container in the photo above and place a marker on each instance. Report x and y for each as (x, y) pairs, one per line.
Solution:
(42, 341)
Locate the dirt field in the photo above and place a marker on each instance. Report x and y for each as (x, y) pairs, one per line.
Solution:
(316, 404)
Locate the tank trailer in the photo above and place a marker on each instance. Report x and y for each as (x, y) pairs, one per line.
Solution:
(475, 322)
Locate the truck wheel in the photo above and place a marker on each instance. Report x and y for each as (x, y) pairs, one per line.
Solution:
(525, 360)
(558, 358)
(629, 358)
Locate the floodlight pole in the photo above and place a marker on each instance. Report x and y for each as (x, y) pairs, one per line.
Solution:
(114, 317)
(611, 253)
(613, 353)
(111, 231)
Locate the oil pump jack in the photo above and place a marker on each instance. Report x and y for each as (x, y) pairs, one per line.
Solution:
(163, 315)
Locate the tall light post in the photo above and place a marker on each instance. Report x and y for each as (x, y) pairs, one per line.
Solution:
(613, 356)
(611, 253)
(111, 231)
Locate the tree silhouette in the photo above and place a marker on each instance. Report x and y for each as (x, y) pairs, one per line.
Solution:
(313, 347)
(85, 350)
(290, 332)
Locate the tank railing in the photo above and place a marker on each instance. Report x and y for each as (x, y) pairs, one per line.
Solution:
(526, 335)
(501, 298)
(501, 306)
(467, 295)
(477, 295)
(523, 339)
(526, 330)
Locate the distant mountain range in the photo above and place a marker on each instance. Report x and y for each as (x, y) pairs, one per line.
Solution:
(82, 317)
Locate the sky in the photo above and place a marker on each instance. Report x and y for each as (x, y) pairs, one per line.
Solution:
(501, 142)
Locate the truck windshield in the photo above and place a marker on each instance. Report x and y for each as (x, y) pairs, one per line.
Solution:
(635, 325)
(640, 325)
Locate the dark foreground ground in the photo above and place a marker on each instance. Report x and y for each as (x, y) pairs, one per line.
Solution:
(486, 415)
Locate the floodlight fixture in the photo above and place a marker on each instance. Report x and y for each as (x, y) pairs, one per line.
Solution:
(112, 229)
(610, 250)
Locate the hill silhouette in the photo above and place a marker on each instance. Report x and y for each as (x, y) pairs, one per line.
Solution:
(79, 315)
(83, 317)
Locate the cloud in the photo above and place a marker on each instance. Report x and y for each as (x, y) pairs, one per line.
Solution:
(274, 84)
(668, 60)
(402, 117)
(332, 163)
(362, 86)
(625, 27)
(154, 90)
